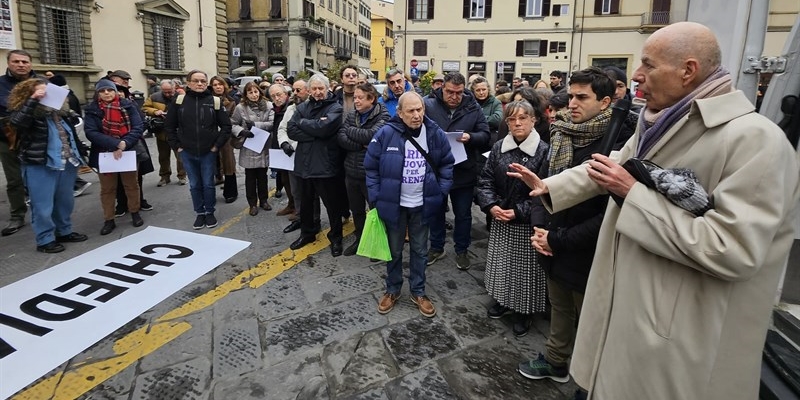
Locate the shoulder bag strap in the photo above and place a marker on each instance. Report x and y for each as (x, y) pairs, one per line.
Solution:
(424, 154)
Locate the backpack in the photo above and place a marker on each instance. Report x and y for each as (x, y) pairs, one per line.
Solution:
(217, 101)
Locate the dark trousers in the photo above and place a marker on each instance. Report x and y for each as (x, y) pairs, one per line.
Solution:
(332, 194)
(256, 186)
(357, 197)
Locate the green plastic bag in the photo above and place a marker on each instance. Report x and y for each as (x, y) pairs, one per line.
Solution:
(374, 242)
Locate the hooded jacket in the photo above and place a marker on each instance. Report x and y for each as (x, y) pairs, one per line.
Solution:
(354, 136)
(314, 125)
(384, 164)
(195, 125)
(390, 100)
(467, 117)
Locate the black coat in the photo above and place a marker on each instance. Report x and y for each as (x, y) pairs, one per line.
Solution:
(496, 188)
(314, 125)
(195, 125)
(572, 233)
(355, 136)
(30, 123)
(93, 127)
(467, 117)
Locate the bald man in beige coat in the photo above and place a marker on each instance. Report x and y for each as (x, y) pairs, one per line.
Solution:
(677, 305)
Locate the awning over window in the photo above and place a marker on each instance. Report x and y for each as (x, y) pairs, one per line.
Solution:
(274, 69)
(366, 72)
(242, 70)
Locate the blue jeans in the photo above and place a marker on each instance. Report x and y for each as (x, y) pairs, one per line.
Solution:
(410, 218)
(51, 197)
(461, 199)
(201, 170)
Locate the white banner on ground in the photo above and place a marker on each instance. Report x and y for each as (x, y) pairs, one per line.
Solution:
(48, 318)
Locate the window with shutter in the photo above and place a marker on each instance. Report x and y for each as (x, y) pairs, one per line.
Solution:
(520, 47)
(534, 8)
(475, 48)
(606, 7)
(420, 9)
(244, 9)
(420, 47)
(556, 10)
(531, 48)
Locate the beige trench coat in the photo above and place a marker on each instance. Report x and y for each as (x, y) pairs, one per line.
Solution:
(677, 307)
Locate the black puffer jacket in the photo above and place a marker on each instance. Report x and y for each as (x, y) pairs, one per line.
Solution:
(496, 188)
(314, 125)
(195, 125)
(355, 136)
(30, 121)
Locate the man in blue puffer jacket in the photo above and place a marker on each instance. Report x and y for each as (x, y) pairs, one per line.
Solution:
(408, 189)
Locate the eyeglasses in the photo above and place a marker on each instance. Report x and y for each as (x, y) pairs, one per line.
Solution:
(296, 90)
(521, 118)
(200, 81)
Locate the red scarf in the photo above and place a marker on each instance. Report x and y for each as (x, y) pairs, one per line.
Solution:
(116, 121)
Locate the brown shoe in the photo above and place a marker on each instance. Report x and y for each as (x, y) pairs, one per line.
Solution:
(425, 306)
(253, 210)
(294, 217)
(387, 302)
(285, 211)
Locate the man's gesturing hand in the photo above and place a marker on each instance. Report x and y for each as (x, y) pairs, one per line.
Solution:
(610, 175)
(519, 171)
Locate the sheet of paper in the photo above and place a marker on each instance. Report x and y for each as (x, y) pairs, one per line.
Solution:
(54, 96)
(486, 154)
(456, 147)
(279, 160)
(107, 163)
(257, 143)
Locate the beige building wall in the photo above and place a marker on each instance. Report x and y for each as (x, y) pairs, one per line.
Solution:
(590, 39)
(382, 47)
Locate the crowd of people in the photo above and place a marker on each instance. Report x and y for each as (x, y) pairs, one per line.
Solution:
(658, 261)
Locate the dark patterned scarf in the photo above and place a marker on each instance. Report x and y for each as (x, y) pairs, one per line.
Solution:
(565, 135)
(116, 121)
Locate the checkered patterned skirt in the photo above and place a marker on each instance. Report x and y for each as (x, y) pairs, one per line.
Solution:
(513, 275)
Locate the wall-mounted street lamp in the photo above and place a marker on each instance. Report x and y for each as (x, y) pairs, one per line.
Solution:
(383, 42)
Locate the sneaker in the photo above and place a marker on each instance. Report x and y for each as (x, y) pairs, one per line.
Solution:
(182, 181)
(211, 221)
(435, 255)
(163, 182)
(425, 305)
(120, 212)
(522, 324)
(145, 206)
(498, 311)
(136, 219)
(82, 188)
(199, 222)
(387, 302)
(462, 261)
(539, 368)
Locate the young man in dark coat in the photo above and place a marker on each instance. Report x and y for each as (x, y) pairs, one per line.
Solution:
(567, 244)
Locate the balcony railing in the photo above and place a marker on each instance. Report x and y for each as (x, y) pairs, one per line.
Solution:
(657, 19)
(341, 53)
(311, 30)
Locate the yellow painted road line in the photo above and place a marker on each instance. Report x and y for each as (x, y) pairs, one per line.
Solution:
(149, 338)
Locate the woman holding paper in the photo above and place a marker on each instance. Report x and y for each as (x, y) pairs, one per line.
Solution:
(114, 125)
(48, 152)
(254, 112)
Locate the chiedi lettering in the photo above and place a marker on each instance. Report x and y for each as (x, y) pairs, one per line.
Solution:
(88, 287)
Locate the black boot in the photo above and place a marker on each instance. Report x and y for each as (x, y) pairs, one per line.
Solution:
(229, 190)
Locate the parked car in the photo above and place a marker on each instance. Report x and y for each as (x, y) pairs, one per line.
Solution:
(380, 87)
(242, 80)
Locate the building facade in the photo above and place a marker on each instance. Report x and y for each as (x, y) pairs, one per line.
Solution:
(82, 39)
(383, 51)
(531, 38)
(364, 37)
(291, 35)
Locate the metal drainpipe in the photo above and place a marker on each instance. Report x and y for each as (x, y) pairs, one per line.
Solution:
(200, 29)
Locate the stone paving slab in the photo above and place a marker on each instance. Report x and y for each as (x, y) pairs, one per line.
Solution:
(186, 381)
(453, 284)
(296, 333)
(281, 296)
(467, 318)
(237, 305)
(298, 377)
(426, 383)
(114, 388)
(373, 394)
(419, 341)
(196, 342)
(330, 290)
(357, 363)
(237, 348)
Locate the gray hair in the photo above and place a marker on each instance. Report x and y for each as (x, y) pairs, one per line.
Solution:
(168, 82)
(514, 106)
(319, 78)
(393, 72)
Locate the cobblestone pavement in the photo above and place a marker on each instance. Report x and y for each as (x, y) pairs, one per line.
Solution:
(273, 324)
